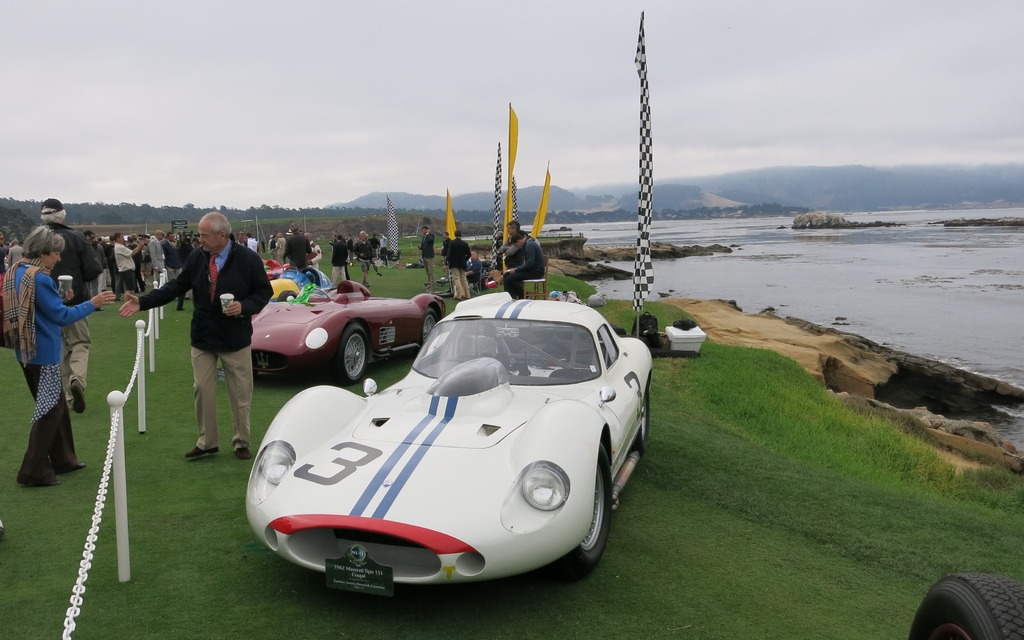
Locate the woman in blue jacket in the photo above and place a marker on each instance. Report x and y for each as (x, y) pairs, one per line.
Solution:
(34, 313)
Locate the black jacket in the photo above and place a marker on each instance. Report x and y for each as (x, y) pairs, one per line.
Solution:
(242, 275)
(76, 260)
(458, 254)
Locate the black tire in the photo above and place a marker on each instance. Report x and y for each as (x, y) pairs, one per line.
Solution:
(353, 355)
(971, 606)
(429, 321)
(285, 296)
(644, 432)
(580, 561)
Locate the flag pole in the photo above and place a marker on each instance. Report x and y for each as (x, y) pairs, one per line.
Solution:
(643, 268)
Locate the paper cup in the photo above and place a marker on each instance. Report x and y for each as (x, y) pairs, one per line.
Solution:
(65, 283)
(225, 300)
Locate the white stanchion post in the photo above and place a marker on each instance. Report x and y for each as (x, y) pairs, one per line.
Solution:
(160, 309)
(116, 400)
(154, 331)
(140, 326)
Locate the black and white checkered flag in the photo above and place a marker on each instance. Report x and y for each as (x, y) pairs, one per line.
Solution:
(515, 204)
(498, 213)
(643, 269)
(392, 227)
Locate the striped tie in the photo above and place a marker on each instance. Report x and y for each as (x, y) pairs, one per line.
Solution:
(213, 276)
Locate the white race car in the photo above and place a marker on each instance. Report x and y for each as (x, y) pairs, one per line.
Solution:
(494, 456)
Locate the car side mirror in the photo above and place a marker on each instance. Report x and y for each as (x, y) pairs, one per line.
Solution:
(607, 394)
(370, 386)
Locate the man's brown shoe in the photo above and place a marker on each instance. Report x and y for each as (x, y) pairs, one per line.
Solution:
(242, 453)
(196, 452)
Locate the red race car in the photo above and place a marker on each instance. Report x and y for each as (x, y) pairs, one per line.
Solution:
(343, 329)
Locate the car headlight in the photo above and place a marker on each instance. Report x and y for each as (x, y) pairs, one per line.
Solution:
(316, 338)
(272, 465)
(544, 485)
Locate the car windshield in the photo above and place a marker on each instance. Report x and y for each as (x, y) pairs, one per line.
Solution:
(533, 353)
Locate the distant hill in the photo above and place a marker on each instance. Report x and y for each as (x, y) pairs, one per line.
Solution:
(674, 197)
(842, 188)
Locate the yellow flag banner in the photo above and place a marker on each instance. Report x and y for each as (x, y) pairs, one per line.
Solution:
(538, 221)
(513, 144)
(449, 220)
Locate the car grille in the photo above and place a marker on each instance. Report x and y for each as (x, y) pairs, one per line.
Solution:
(407, 560)
(268, 360)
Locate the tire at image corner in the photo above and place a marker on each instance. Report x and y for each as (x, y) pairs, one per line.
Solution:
(971, 606)
(351, 333)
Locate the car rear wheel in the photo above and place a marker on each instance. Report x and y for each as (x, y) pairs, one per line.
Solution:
(429, 320)
(353, 355)
(580, 561)
(970, 606)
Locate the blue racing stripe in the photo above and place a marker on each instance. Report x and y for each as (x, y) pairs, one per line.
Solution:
(378, 478)
(519, 309)
(502, 308)
(417, 457)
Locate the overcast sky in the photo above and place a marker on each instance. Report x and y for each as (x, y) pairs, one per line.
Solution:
(309, 102)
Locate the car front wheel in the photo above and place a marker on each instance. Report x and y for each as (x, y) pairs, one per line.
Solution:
(353, 355)
(971, 606)
(580, 561)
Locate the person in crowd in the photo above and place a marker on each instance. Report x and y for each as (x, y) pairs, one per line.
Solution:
(14, 253)
(531, 268)
(4, 257)
(172, 260)
(99, 283)
(474, 269)
(221, 327)
(315, 253)
(296, 249)
(339, 259)
(186, 246)
(375, 245)
(125, 258)
(385, 253)
(252, 243)
(78, 261)
(427, 255)
(34, 312)
(139, 259)
(446, 241)
(363, 251)
(157, 258)
(509, 252)
(457, 258)
(280, 247)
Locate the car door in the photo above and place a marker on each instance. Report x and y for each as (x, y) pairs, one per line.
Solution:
(622, 413)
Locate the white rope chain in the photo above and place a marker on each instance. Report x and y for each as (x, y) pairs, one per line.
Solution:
(78, 590)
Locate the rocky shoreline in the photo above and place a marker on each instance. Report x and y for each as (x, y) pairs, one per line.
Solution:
(949, 405)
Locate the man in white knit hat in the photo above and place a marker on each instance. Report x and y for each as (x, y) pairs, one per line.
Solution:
(79, 262)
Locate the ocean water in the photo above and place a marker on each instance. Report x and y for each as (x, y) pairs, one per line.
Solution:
(952, 294)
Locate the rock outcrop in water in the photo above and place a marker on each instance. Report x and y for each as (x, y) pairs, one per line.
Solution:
(820, 220)
(985, 222)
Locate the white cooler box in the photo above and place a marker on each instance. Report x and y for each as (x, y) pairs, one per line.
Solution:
(688, 340)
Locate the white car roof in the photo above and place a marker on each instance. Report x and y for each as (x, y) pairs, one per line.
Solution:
(501, 305)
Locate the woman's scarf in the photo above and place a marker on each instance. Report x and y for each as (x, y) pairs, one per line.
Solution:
(20, 308)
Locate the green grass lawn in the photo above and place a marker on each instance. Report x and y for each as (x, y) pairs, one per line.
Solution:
(763, 509)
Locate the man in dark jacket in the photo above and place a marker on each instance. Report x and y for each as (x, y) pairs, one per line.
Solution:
(229, 286)
(78, 261)
(532, 267)
(456, 259)
(296, 248)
